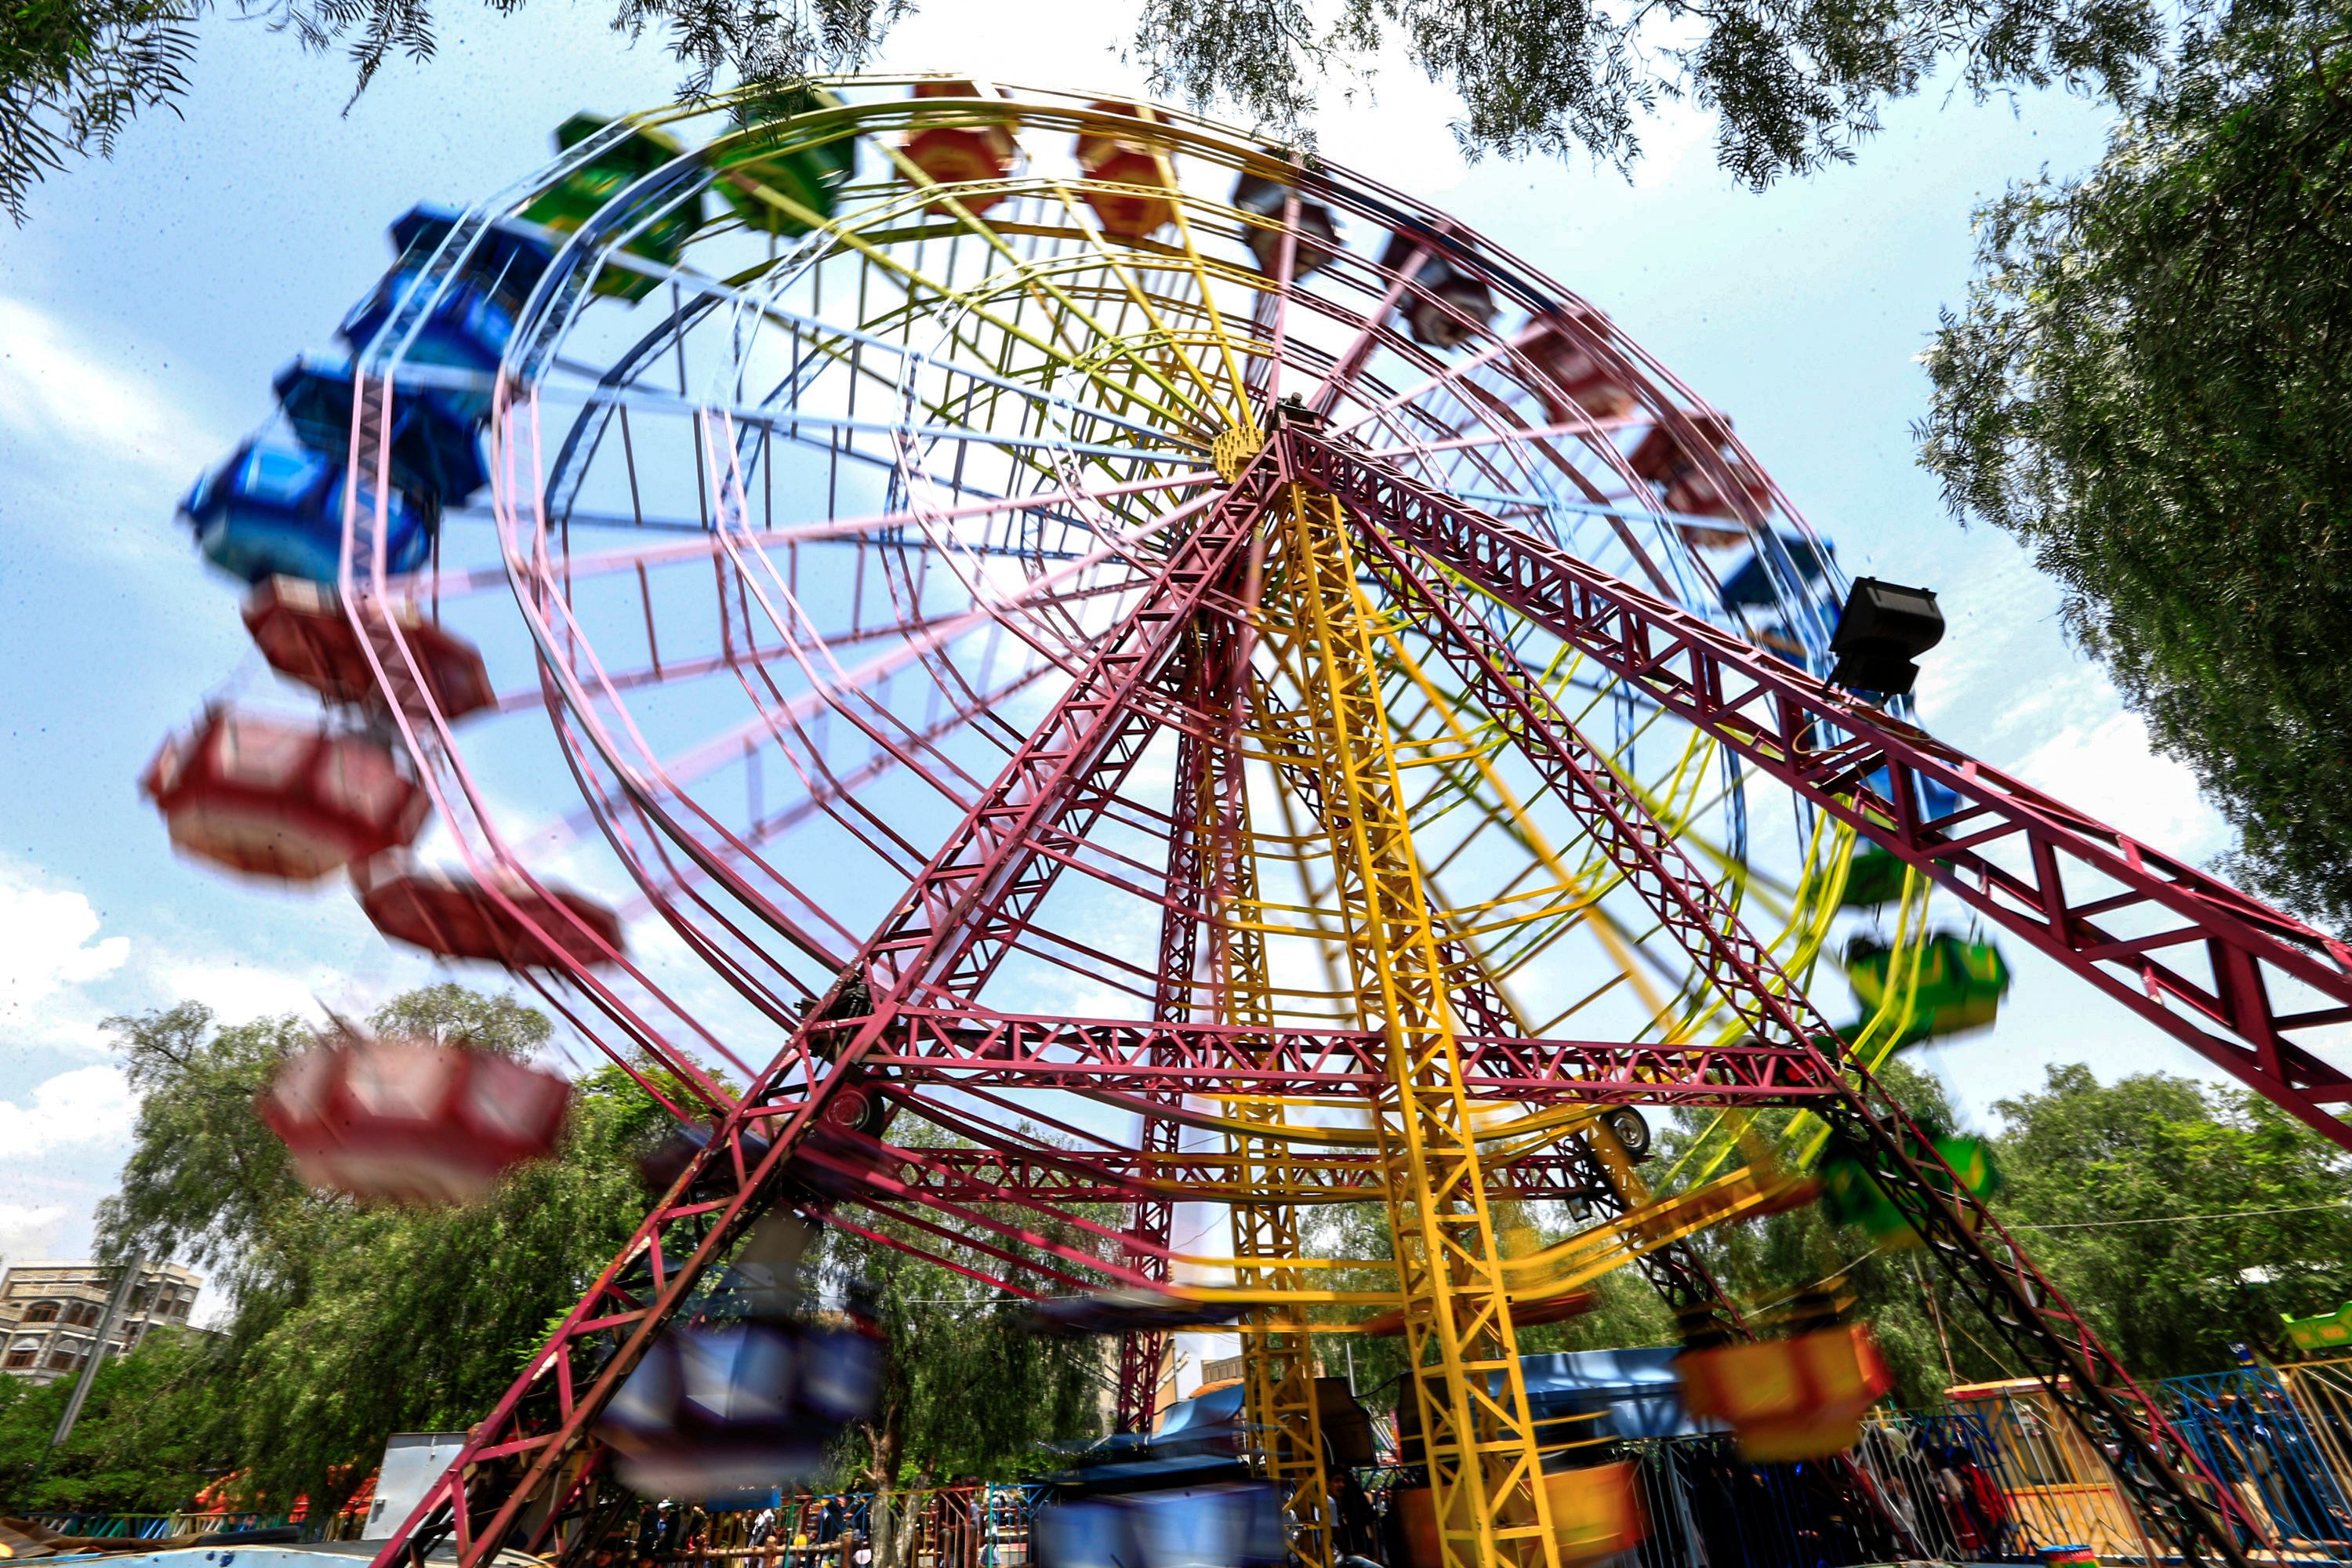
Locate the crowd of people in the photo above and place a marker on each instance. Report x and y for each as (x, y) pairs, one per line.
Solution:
(967, 1525)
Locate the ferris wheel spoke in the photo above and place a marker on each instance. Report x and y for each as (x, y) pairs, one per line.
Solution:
(992, 235)
(715, 938)
(753, 417)
(720, 751)
(873, 528)
(1349, 363)
(1444, 379)
(606, 746)
(674, 671)
(1235, 412)
(1586, 886)
(676, 775)
(765, 828)
(913, 281)
(1052, 357)
(1502, 434)
(1441, 446)
(949, 370)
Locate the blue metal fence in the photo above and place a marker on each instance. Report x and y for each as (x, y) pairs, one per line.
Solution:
(2255, 1440)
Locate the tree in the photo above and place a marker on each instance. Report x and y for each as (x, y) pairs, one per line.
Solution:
(146, 1441)
(2101, 1177)
(1793, 83)
(73, 73)
(2149, 387)
(969, 1390)
(352, 1323)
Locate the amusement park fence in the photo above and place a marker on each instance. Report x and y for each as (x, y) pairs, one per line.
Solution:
(980, 1525)
(344, 1526)
(1996, 1475)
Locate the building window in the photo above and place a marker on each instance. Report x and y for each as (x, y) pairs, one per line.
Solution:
(41, 1312)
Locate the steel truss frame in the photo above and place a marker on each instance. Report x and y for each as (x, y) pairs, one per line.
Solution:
(1485, 1464)
(531, 1470)
(1833, 748)
(2166, 1479)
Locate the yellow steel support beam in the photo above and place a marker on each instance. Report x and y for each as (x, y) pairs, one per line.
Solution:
(1278, 1361)
(1484, 1462)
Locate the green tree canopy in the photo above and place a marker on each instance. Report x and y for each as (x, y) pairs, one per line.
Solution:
(1791, 83)
(2180, 1217)
(2102, 1175)
(73, 73)
(147, 1437)
(2150, 388)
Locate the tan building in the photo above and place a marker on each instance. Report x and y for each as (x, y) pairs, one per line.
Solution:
(50, 1312)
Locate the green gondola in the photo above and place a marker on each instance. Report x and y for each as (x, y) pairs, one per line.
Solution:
(1852, 1195)
(588, 189)
(2327, 1332)
(776, 188)
(1873, 877)
(1961, 984)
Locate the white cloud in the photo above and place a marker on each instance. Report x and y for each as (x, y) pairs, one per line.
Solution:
(2103, 765)
(29, 1230)
(237, 990)
(87, 1105)
(49, 948)
(58, 390)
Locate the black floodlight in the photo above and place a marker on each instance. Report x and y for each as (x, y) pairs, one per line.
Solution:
(1881, 629)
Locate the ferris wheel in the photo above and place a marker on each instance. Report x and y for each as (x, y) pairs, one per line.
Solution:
(1197, 677)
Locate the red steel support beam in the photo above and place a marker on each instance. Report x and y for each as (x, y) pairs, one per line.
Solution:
(973, 1046)
(1828, 746)
(954, 923)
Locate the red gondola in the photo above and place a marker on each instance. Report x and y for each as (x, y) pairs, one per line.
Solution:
(961, 155)
(1442, 295)
(1124, 156)
(1689, 485)
(290, 801)
(1316, 230)
(455, 915)
(1579, 382)
(411, 1122)
(301, 629)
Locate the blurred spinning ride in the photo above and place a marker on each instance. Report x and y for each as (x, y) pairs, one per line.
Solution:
(1197, 678)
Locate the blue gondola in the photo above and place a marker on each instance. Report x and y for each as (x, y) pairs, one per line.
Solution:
(473, 320)
(433, 451)
(278, 511)
(1935, 800)
(1754, 585)
(1137, 1509)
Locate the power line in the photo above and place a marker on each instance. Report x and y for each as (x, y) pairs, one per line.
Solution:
(2182, 1218)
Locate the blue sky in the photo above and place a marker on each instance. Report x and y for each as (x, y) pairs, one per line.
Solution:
(146, 305)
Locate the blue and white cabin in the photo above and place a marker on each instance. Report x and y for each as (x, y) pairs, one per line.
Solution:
(277, 511)
(470, 324)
